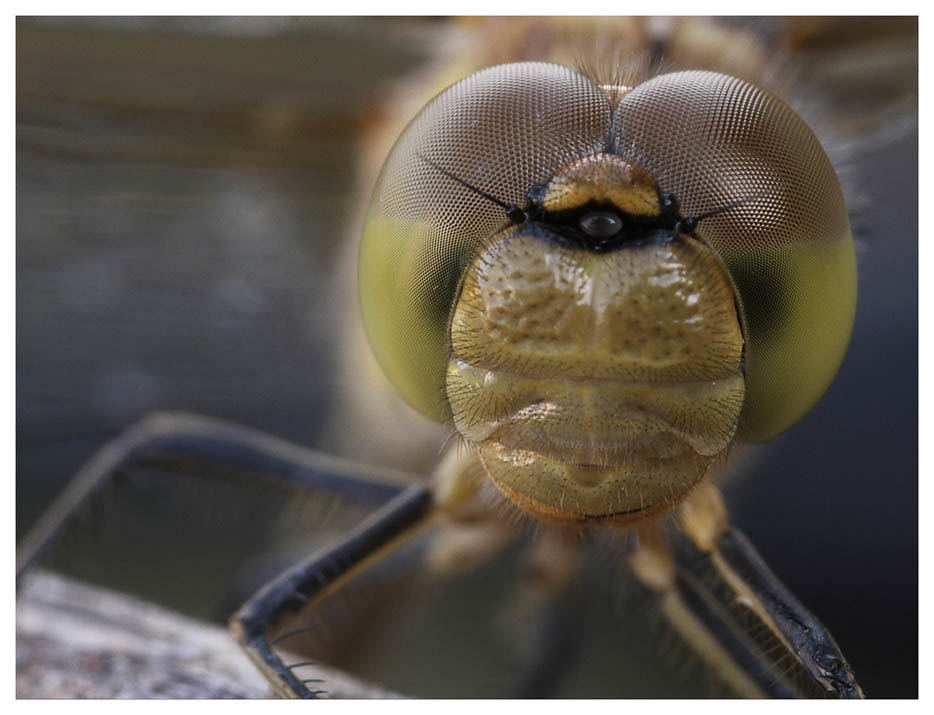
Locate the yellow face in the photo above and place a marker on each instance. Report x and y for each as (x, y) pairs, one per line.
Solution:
(596, 382)
(531, 273)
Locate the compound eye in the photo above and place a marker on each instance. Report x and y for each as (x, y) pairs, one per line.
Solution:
(715, 141)
(496, 133)
(601, 224)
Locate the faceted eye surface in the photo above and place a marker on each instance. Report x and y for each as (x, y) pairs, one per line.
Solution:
(503, 130)
(712, 140)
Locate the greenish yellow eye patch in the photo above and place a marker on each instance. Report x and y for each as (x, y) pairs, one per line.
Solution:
(798, 304)
(501, 130)
(406, 321)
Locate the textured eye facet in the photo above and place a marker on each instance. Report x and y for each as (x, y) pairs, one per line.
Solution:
(713, 140)
(503, 130)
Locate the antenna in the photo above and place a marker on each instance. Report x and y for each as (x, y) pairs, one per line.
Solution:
(515, 214)
(689, 224)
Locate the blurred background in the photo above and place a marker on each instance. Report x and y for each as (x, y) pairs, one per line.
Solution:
(184, 188)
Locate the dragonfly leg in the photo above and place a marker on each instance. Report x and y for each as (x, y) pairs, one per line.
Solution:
(543, 609)
(721, 597)
(474, 531)
(321, 574)
(184, 445)
(799, 643)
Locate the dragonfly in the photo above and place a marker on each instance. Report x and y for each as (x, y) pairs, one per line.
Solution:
(709, 560)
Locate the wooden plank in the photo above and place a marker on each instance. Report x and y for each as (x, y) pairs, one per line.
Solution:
(79, 641)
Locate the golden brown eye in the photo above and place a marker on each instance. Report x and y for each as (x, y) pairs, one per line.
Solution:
(601, 224)
(713, 140)
(503, 130)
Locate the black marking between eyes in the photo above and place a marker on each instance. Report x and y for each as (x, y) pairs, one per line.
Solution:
(571, 237)
(636, 230)
(567, 223)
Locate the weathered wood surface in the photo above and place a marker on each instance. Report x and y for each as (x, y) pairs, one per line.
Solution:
(80, 641)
